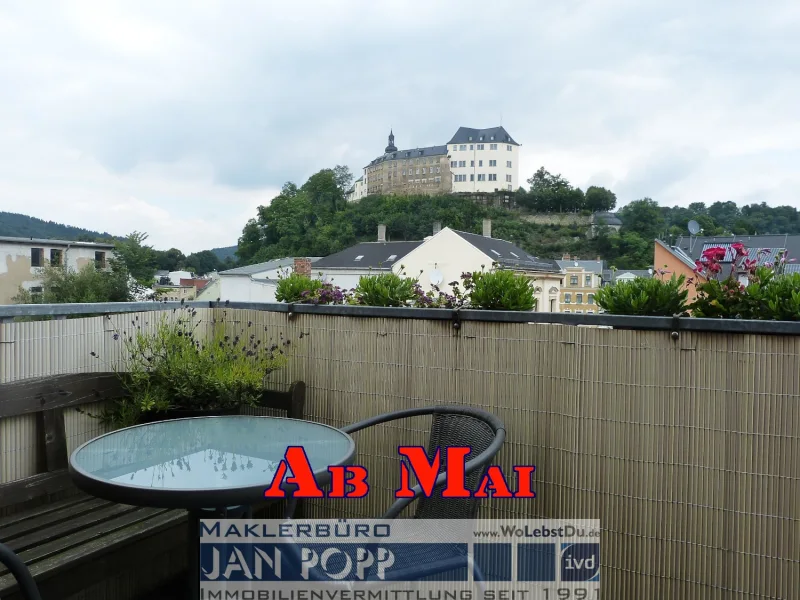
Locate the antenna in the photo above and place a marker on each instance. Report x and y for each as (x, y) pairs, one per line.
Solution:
(694, 229)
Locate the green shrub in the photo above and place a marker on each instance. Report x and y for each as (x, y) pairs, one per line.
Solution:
(385, 289)
(499, 290)
(296, 287)
(644, 297)
(173, 368)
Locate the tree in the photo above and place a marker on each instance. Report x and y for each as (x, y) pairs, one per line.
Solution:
(203, 262)
(62, 284)
(344, 178)
(552, 193)
(136, 258)
(643, 217)
(169, 260)
(599, 199)
(322, 189)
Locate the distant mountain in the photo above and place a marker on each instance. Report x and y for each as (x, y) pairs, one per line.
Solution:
(223, 253)
(16, 225)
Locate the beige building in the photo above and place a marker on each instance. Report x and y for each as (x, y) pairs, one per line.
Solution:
(417, 171)
(582, 279)
(174, 293)
(21, 259)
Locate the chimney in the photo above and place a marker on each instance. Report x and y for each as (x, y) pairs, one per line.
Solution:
(302, 266)
(565, 257)
(487, 228)
(437, 227)
(381, 233)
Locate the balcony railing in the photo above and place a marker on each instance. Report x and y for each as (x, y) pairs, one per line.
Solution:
(681, 435)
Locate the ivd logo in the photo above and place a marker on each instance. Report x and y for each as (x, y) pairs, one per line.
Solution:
(580, 562)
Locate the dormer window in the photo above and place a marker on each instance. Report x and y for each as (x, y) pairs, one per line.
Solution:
(359, 257)
(491, 138)
(514, 255)
(392, 257)
(496, 252)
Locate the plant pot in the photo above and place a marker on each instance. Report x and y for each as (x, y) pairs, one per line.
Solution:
(178, 413)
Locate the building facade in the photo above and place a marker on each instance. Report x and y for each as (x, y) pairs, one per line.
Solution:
(582, 279)
(417, 171)
(484, 160)
(21, 259)
(357, 191)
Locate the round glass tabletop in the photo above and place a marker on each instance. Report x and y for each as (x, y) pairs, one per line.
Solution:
(202, 462)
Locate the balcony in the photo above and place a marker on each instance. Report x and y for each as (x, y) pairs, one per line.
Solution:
(682, 436)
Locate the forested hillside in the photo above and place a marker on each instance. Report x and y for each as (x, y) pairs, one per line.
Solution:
(16, 225)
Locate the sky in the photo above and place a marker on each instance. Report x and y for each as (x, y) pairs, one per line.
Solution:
(180, 118)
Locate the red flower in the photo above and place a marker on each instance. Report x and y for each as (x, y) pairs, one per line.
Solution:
(738, 247)
(714, 254)
(714, 267)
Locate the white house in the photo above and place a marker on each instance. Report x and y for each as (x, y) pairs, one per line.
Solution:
(21, 259)
(357, 191)
(447, 254)
(345, 268)
(484, 160)
(253, 283)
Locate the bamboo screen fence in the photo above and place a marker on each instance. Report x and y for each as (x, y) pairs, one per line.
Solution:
(687, 450)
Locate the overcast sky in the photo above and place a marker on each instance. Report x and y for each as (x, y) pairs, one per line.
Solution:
(180, 118)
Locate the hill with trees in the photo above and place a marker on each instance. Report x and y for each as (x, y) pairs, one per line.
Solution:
(17, 225)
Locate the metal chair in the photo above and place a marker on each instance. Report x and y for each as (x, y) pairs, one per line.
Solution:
(20, 572)
(451, 426)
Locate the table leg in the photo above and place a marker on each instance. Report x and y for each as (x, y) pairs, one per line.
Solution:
(193, 558)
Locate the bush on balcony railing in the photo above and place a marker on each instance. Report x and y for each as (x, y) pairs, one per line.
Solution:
(499, 290)
(386, 289)
(173, 368)
(306, 290)
(645, 297)
(770, 294)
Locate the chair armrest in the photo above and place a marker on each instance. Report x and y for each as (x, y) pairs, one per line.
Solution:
(20, 572)
(493, 421)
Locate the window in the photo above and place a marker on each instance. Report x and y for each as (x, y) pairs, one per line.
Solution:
(578, 298)
(417, 172)
(455, 148)
(492, 146)
(438, 169)
(508, 178)
(567, 298)
(36, 289)
(509, 149)
(471, 147)
(472, 177)
(404, 173)
(453, 164)
(588, 281)
(462, 147)
(56, 257)
(566, 310)
(392, 257)
(552, 305)
(509, 189)
(573, 280)
(100, 260)
(438, 179)
(359, 257)
(508, 164)
(578, 312)
(461, 178)
(492, 176)
(492, 163)
(36, 257)
(481, 177)
(589, 312)
(423, 170)
(591, 298)
(480, 146)
(472, 163)
(462, 163)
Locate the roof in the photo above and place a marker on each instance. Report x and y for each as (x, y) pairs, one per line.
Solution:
(47, 242)
(162, 273)
(412, 153)
(678, 253)
(264, 266)
(373, 255)
(635, 272)
(508, 254)
(465, 135)
(593, 266)
(772, 244)
(607, 217)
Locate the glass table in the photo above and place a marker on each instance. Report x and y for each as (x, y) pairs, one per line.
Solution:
(202, 464)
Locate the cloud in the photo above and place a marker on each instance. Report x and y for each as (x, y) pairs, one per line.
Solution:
(182, 121)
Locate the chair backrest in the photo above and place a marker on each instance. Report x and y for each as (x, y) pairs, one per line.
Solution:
(455, 430)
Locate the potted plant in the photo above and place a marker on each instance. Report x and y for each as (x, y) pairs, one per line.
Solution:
(175, 370)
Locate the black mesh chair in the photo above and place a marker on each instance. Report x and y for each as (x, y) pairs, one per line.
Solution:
(462, 426)
(20, 572)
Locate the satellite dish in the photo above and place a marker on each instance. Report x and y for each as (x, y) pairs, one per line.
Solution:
(694, 227)
(436, 277)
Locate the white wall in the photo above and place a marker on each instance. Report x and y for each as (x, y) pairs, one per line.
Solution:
(472, 158)
(241, 288)
(346, 279)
